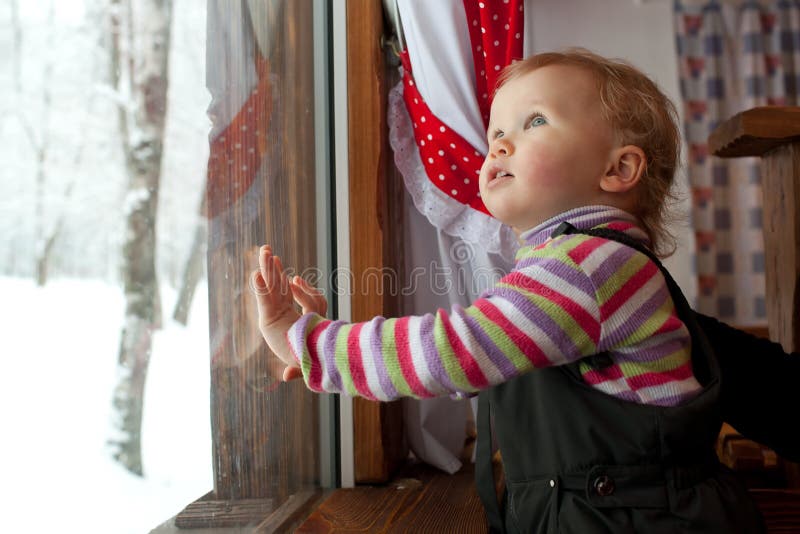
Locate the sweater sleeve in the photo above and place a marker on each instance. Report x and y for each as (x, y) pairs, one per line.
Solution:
(543, 313)
(650, 345)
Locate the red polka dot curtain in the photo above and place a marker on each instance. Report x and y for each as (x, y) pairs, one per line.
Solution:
(455, 50)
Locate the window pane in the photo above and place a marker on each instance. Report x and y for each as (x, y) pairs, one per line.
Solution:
(262, 189)
(104, 146)
(131, 381)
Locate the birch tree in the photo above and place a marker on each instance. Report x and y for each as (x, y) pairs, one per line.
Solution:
(193, 270)
(140, 44)
(38, 134)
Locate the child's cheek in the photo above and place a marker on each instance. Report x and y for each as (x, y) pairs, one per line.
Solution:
(483, 179)
(544, 170)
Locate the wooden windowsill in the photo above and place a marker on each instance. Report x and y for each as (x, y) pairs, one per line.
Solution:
(420, 499)
(424, 499)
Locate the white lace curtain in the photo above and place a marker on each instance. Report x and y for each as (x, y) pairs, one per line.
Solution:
(437, 117)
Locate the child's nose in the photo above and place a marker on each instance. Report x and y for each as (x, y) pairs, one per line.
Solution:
(502, 147)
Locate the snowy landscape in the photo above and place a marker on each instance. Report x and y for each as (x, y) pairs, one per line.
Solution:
(63, 178)
(56, 380)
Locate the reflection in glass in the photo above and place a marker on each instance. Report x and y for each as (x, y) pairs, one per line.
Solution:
(261, 189)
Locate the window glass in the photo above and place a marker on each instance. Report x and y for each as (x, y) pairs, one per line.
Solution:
(263, 178)
(148, 148)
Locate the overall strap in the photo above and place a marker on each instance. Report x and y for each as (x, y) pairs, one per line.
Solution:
(625, 239)
(484, 472)
(684, 310)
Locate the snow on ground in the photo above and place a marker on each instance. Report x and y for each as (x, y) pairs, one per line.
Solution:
(57, 371)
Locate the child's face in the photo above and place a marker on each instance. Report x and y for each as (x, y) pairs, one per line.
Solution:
(549, 146)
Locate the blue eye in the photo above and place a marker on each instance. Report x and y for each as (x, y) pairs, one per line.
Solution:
(538, 121)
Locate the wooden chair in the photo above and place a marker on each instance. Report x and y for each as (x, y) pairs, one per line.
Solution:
(772, 133)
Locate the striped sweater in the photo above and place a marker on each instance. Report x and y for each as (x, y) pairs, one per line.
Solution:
(566, 298)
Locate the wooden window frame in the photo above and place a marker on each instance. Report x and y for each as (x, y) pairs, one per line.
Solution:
(375, 194)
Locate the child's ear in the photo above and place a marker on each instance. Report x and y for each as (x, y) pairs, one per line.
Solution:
(625, 169)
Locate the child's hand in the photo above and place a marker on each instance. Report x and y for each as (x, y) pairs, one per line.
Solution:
(276, 312)
(310, 300)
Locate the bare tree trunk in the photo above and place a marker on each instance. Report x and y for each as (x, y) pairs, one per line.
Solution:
(45, 238)
(193, 270)
(16, 29)
(43, 243)
(142, 129)
(43, 254)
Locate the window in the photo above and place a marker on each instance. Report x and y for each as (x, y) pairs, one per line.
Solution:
(123, 239)
(266, 168)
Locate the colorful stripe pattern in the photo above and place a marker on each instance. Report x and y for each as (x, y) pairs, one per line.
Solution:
(566, 298)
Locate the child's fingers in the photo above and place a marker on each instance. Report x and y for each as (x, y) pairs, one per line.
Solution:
(257, 282)
(263, 303)
(308, 297)
(301, 290)
(303, 299)
(263, 254)
(267, 264)
(307, 288)
(282, 279)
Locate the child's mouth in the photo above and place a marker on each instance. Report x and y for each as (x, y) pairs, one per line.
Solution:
(500, 177)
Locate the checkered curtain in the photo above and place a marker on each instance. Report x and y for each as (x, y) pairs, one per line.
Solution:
(732, 59)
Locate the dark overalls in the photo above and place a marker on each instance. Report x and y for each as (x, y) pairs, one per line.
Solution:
(577, 460)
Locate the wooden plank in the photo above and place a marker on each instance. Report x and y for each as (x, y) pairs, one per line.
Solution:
(291, 512)
(774, 133)
(781, 510)
(208, 512)
(755, 132)
(361, 509)
(447, 503)
(781, 186)
(422, 500)
(378, 429)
